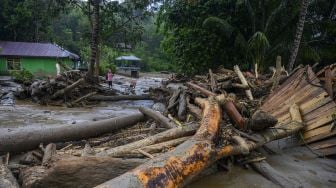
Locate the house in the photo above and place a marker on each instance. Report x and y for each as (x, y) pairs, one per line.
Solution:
(38, 58)
(128, 65)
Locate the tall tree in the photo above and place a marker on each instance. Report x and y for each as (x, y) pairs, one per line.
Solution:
(95, 37)
(298, 34)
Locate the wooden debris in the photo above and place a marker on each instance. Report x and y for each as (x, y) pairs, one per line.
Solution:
(243, 81)
(158, 117)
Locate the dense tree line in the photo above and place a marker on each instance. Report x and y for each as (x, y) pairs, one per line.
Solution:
(190, 36)
(204, 34)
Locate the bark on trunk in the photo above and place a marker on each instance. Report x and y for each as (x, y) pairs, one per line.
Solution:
(94, 36)
(177, 167)
(83, 172)
(277, 73)
(228, 106)
(23, 139)
(120, 97)
(298, 34)
(158, 117)
(7, 179)
(273, 175)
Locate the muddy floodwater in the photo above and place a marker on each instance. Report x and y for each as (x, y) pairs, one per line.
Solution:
(298, 163)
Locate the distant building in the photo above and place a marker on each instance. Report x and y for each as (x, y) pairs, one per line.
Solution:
(128, 65)
(38, 58)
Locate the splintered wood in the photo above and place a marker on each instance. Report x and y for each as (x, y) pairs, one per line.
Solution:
(317, 108)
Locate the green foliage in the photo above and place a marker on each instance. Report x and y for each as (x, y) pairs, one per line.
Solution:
(207, 33)
(22, 76)
(149, 49)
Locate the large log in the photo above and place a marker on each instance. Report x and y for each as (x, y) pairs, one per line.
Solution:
(120, 97)
(273, 175)
(7, 179)
(23, 139)
(180, 166)
(177, 167)
(160, 137)
(228, 106)
(157, 116)
(81, 172)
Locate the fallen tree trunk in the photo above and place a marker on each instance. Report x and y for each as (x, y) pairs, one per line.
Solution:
(23, 139)
(7, 179)
(273, 175)
(180, 166)
(119, 97)
(83, 172)
(160, 137)
(177, 167)
(69, 88)
(157, 116)
(228, 106)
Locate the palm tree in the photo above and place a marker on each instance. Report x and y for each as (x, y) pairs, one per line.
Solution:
(298, 34)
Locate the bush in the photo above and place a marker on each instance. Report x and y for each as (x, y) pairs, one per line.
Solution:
(104, 67)
(23, 76)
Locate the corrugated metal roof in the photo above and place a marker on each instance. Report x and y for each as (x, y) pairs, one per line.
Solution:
(28, 49)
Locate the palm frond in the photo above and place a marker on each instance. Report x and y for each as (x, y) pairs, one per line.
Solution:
(220, 25)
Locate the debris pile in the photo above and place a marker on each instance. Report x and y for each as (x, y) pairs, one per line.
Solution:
(70, 88)
(211, 119)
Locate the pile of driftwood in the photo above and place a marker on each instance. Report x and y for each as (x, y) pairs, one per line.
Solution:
(199, 125)
(73, 88)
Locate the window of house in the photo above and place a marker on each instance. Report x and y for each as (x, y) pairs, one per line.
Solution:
(13, 64)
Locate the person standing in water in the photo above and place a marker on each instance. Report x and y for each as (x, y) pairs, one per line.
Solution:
(109, 78)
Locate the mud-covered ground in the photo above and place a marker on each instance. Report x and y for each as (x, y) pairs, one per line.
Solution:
(297, 163)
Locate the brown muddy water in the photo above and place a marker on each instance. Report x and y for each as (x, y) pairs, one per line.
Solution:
(297, 163)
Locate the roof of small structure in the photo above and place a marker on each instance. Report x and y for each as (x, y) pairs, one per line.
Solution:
(128, 58)
(29, 49)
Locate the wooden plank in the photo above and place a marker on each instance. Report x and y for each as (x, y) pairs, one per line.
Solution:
(324, 144)
(316, 119)
(300, 97)
(292, 92)
(318, 123)
(320, 137)
(321, 130)
(288, 84)
(302, 93)
(280, 90)
(327, 151)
